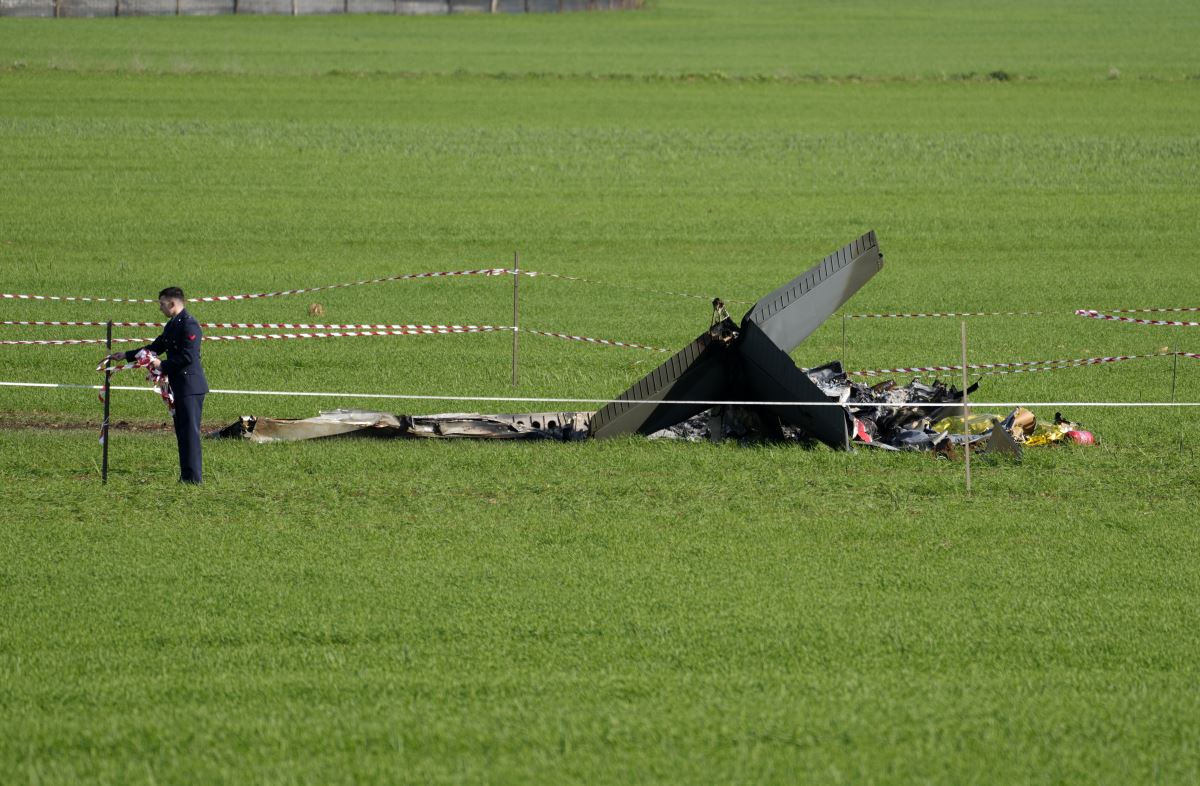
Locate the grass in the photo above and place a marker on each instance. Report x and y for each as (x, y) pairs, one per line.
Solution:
(931, 39)
(600, 612)
(398, 620)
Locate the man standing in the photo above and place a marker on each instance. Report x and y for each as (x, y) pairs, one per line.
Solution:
(180, 340)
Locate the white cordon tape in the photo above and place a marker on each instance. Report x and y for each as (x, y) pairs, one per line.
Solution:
(1091, 314)
(1146, 310)
(1013, 367)
(538, 400)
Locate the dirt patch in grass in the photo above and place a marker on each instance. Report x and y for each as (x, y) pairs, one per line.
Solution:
(43, 423)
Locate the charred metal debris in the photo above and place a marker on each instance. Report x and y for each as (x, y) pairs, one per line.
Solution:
(747, 362)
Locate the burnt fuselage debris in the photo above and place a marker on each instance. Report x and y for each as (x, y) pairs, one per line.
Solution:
(746, 363)
(561, 426)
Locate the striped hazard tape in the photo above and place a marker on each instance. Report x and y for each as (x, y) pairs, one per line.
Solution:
(1013, 367)
(1101, 314)
(491, 271)
(631, 287)
(69, 342)
(234, 325)
(409, 330)
(590, 340)
(326, 332)
(143, 360)
(937, 314)
(74, 299)
(1184, 309)
(494, 271)
(1092, 314)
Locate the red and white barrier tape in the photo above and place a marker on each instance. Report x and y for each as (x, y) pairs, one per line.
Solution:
(410, 330)
(418, 330)
(66, 298)
(632, 287)
(75, 323)
(156, 378)
(1091, 314)
(590, 340)
(1076, 364)
(937, 314)
(493, 271)
(394, 330)
(1023, 365)
(1146, 310)
(1102, 314)
(69, 342)
(220, 325)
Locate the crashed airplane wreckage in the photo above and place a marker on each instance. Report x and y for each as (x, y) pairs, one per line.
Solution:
(749, 362)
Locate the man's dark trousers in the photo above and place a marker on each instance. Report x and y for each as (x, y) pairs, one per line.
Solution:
(180, 340)
(187, 433)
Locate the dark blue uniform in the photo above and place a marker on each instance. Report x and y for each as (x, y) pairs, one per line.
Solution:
(180, 340)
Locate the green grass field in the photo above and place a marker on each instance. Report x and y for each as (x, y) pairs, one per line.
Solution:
(625, 611)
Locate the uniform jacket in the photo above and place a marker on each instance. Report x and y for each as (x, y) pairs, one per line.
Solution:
(180, 340)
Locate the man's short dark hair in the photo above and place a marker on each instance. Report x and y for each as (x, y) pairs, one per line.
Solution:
(174, 293)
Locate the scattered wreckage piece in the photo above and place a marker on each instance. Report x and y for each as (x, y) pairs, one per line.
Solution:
(882, 415)
(558, 426)
(915, 417)
(933, 422)
(750, 362)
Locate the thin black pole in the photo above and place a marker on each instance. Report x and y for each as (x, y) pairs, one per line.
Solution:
(107, 396)
(1174, 373)
(1174, 370)
(843, 342)
(966, 410)
(516, 312)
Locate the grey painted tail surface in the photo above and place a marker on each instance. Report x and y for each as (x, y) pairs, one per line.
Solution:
(756, 366)
(696, 373)
(791, 313)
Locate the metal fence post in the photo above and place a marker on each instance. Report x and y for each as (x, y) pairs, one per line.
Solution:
(107, 396)
(516, 313)
(966, 409)
(844, 341)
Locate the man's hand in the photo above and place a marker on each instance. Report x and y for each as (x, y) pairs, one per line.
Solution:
(156, 364)
(116, 356)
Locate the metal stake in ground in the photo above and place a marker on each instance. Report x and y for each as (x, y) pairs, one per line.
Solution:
(844, 341)
(104, 425)
(966, 410)
(1174, 370)
(516, 313)
(1174, 374)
